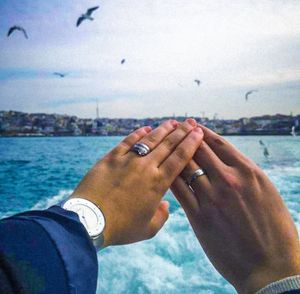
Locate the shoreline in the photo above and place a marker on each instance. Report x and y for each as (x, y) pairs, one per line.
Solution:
(122, 135)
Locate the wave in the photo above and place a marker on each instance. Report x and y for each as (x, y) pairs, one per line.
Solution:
(14, 162)
(50, 201)
(172, 262)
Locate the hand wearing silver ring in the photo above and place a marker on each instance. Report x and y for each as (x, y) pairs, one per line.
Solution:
(238, 217)
(130, 202)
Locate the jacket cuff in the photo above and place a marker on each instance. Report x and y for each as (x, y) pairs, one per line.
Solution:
(282, 286)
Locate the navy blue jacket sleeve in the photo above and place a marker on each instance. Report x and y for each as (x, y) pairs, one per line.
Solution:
(46, 251)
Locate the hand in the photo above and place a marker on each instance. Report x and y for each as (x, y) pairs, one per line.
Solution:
(128, 188)
(238, 217)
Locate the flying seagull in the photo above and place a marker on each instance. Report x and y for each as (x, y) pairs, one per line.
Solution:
(61, 75)
(87, 15)
(198, 82)
(17, 28)
(266, 152)
(249, 93)
(123, 61)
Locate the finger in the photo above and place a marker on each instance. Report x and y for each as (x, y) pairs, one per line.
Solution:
(223, 149)
(124, 146)
(166, 147)
(153, 138)
(180, 157)
(185, 196)
(199, 185)
(210, 162)
(160, 217)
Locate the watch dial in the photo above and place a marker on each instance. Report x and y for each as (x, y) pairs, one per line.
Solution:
(89, 214)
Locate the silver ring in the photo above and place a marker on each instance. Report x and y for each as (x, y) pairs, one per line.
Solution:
(197, 173)
(140, 149)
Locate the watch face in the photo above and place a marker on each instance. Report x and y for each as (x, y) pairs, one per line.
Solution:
(89, 214)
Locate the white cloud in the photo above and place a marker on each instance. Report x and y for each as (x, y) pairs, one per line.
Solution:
(229, 46)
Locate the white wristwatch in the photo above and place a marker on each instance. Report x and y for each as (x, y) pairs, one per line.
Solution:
(90, 216)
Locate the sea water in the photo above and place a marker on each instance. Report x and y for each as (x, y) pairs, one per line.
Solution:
(36, 173)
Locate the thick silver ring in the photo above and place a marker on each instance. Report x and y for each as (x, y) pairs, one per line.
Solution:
(197, 173)
(140, 149)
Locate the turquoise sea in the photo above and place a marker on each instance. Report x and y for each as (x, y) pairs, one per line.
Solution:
(38, 172)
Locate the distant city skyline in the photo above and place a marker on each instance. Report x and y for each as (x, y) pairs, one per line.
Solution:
(40, 124)
(231, 47)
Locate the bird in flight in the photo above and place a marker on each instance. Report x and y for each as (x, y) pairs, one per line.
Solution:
(123, 61)
(59, 74)
(198, 82)
(249, 93)
(266, 152)
(17, 28)
(86, 15)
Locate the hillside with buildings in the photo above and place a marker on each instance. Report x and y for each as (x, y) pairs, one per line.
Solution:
(14, 123)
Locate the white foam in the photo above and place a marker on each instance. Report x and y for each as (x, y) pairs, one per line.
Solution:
(47, 202)
(172, 262)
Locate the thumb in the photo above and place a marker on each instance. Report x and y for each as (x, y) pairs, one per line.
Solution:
(160, 217)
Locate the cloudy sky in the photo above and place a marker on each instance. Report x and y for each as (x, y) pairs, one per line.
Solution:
(231, 46)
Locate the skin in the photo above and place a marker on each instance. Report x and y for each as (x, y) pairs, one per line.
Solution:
(238, 217)
(128, 188)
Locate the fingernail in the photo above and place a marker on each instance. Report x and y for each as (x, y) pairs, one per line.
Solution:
(174, 123)
(148, 129)
(198, 130)
(191, 121)
(166, 203)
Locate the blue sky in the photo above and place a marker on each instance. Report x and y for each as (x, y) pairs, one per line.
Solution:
(231, 46)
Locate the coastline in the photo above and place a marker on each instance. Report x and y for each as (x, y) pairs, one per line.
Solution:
(20, 124)
(122, 135)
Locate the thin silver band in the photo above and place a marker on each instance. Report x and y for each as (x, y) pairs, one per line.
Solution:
(197, 173)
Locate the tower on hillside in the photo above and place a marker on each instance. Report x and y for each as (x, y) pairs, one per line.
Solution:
(97, 110)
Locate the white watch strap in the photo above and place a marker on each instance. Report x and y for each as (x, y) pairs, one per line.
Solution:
(98, 242)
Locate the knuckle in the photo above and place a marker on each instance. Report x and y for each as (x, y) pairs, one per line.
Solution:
(141, 131)
(132, 138)
(152, 170)
(125, 144)
(110, 160)
(159, 185)
(137, 133)
(194, 137)
(151, 138)
(167, 126)
(182, 153)
(252, 172)
(203, 147)
(232, 182)
(169, 168)
(186, 127)
(157, 189)
(168, 143)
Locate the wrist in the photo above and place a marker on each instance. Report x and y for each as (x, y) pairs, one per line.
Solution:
(282, 286)
(262, 278)
(93, 216)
